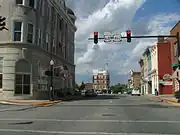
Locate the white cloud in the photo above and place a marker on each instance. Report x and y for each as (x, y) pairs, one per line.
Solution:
(115, 16)
(111, 17)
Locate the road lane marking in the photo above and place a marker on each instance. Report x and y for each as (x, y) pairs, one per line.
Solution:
(76, 133)
(115, 121)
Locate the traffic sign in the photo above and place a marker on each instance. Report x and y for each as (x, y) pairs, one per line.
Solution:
(107, 37)
(117, 38)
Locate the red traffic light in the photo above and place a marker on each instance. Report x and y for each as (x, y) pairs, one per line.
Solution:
(128, 31)
(95, 33)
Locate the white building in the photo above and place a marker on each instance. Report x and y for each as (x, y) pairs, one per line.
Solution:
(101, 79)
(154, 69)
(39, 30)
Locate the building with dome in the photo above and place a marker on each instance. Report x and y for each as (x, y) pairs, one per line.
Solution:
(101, 80)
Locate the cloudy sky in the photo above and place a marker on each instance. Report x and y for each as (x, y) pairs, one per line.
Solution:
(143, 17)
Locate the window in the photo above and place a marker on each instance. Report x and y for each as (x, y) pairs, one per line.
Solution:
(39, 37)
(47, 41)
(43, 7)
(22, 77)
(32, 3)
(19, 1)
(30, 33)
(22, 84)
(17, 31)
(54, 46)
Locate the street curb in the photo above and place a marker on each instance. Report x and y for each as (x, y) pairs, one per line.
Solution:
(35, 104)
(165, 100)
(170, 101)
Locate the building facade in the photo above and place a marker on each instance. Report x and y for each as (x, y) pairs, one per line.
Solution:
(101, 80)
(164, 66)
(141, 63)
(147, 69)
(39, 31)
(174, 58)
(154, 68)
(135, 80)
(88, 86)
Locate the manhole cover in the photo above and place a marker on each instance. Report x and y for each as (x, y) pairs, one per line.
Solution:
(108, 114)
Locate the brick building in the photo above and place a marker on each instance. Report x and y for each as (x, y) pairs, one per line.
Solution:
(174, 57)
(88, 86)
(164, 70)
(101, 80)
(135, 80)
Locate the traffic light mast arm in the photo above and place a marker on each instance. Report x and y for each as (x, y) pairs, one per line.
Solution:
(140, 37)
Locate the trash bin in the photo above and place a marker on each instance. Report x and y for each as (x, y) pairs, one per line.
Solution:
(156, 92)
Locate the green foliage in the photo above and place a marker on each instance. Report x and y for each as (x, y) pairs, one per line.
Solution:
(82, 87)
(76, 86)
(118, 88)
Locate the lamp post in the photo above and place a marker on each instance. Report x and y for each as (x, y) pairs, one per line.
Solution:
(51, 86)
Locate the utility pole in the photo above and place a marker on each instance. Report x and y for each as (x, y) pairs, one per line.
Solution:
(51, 85)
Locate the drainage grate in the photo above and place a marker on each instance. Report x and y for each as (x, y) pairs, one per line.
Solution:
(108, 114)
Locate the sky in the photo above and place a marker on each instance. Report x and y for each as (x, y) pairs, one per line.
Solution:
(142, 17)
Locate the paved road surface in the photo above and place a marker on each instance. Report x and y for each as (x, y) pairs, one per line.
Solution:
(102, 115)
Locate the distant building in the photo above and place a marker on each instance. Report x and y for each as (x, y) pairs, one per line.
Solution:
(101, 80)
(135, 80)
(88, 86)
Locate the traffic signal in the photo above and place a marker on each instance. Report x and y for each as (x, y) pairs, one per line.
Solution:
(128, 33)
(47, 73)
(2, 23)
(95, 37)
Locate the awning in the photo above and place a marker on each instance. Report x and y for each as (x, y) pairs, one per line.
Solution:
(161, 82)
(175, 65)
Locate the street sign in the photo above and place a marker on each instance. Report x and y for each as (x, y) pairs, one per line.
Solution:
(107, 37)
(117, 38)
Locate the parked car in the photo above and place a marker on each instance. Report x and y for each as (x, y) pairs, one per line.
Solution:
(90, 93)
(135, 92)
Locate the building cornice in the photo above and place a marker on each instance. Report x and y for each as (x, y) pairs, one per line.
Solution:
(66, 17)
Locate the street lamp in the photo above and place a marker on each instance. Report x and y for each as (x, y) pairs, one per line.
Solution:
(51, 87)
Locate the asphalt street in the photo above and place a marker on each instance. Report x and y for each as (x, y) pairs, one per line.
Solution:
(103, 115)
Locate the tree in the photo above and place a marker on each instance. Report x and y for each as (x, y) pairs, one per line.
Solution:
(76, 86)
(82, 87)
(118, 88)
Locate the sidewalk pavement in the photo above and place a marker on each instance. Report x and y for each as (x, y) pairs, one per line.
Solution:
(39, 103)
(165, 98)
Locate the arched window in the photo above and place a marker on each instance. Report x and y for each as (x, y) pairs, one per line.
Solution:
(23, 77)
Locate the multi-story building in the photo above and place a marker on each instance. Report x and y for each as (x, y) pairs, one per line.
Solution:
(135, 80)
(161, 67)
(101, 80)
(141, 63)
(154, 68)
(174, 58)
(147, 69)
(39, 30)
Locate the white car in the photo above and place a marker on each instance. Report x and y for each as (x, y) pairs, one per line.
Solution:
(135, 92)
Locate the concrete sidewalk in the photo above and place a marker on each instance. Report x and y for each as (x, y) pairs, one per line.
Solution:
(165, 98)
